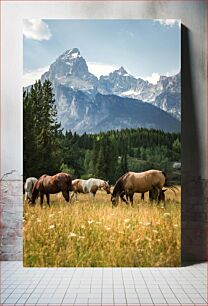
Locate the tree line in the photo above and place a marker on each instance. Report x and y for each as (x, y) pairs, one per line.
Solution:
(107, 155)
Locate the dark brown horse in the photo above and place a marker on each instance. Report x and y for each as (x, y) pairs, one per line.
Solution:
(47, 185)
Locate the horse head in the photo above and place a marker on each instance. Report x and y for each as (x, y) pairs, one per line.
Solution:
(29, 200)
(114, 199)
(106, 187)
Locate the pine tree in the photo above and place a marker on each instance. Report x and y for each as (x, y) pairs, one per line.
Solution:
(42, 133)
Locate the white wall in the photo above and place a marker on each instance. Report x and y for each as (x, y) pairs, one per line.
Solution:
(191, 14)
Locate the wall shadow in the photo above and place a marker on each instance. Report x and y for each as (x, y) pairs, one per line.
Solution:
(194, 206)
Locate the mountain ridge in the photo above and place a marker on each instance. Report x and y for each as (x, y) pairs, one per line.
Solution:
(77, 93)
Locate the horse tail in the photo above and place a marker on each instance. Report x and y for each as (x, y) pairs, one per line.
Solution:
(69, 179)
(168, 185)
(35, 192)
(165, 175)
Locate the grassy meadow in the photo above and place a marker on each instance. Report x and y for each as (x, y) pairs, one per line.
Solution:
(90, 233)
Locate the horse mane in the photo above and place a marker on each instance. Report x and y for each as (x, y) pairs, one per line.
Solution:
(119, 186)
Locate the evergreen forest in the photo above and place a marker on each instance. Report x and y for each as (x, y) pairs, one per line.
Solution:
(48, 149)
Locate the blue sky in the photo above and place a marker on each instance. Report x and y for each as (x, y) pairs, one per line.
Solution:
(145, 48)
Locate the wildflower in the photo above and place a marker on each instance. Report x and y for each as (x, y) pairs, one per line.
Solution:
(90, 221)
(38, 220)
(51, 226)
(72, 235)
(82, 226)
(126, 220)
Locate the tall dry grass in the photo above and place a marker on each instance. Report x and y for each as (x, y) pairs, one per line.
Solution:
(90, 233)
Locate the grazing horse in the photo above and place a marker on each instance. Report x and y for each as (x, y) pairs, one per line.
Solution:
(47, 185)
(142, 182)
(29, 184)
(89, 186)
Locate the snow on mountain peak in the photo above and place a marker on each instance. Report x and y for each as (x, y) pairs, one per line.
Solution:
(121, 71)
(70, 54)
(70, 70)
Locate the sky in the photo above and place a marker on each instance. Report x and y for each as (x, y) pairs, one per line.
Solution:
(145, 48)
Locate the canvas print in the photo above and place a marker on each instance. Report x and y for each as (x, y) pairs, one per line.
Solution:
(102, 143)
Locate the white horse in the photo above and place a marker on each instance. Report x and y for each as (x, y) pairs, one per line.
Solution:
(89, 186)
(29, 184)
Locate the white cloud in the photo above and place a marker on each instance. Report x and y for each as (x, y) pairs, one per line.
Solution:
(99, 69)
(154, 78)
(30, 77)
(169, 22)
(36, 29)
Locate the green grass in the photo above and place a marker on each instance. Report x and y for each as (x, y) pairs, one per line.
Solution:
(90, 233)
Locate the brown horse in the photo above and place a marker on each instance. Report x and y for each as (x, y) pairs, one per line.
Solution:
(47, 185)
(142, 182)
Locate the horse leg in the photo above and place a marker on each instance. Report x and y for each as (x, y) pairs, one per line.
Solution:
(151, 196)
(93, 194)
(142, 196)
(66, 195)
(41, 199)
(131, 195)
(161, 196)
(48, 199)
(72, 195)
(122, 197)
(157, 192)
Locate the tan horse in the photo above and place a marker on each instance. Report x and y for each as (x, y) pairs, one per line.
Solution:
(133, 182)
(89, 186)
(47, 185)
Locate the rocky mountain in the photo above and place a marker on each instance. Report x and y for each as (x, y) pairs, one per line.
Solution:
(71, 70)
(92, 114)
(119, 100)
(166, 94)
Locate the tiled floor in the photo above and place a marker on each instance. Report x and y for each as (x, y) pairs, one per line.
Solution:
(103, 286)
